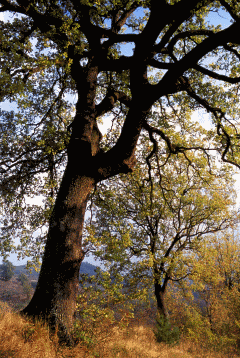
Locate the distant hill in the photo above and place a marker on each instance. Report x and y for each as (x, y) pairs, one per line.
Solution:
(86, 268)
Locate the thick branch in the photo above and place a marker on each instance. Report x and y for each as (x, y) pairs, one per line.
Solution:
(161, 65)
(167, 83)
(44, 22)
(228, 146)
(121, 158)
(229, 9)
(119, 21)
(187, 34)
(215, 75)
(159, 18)
(110, 100)
(91, 31)
(178, 17)
(123, 63)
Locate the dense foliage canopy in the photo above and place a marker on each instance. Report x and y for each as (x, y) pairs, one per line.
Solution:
(182, 57)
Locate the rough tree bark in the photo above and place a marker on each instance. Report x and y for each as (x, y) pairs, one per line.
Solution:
(54, 299)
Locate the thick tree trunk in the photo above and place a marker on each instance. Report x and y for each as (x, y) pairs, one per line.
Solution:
(54, 299)
(55, 296)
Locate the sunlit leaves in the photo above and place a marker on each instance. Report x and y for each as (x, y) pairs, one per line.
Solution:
(145, 226)
(215, 280)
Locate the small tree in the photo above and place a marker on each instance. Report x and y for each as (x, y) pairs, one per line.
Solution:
(163, 212)
(7, 271)
(147, 232)
(216, 277)
(206, 306)
(27, 288)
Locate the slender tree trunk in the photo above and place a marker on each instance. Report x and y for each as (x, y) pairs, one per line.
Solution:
(55, 296)
(160, 296)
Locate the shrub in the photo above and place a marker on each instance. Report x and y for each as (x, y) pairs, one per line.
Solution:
(165, 333)
(23, 278)
(7, 271)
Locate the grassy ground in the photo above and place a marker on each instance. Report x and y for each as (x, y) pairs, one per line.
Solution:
(21, 339)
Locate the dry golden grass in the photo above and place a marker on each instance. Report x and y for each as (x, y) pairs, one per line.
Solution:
(22, 339)
(139, 342)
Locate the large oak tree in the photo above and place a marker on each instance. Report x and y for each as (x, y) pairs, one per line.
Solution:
(53, 48)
